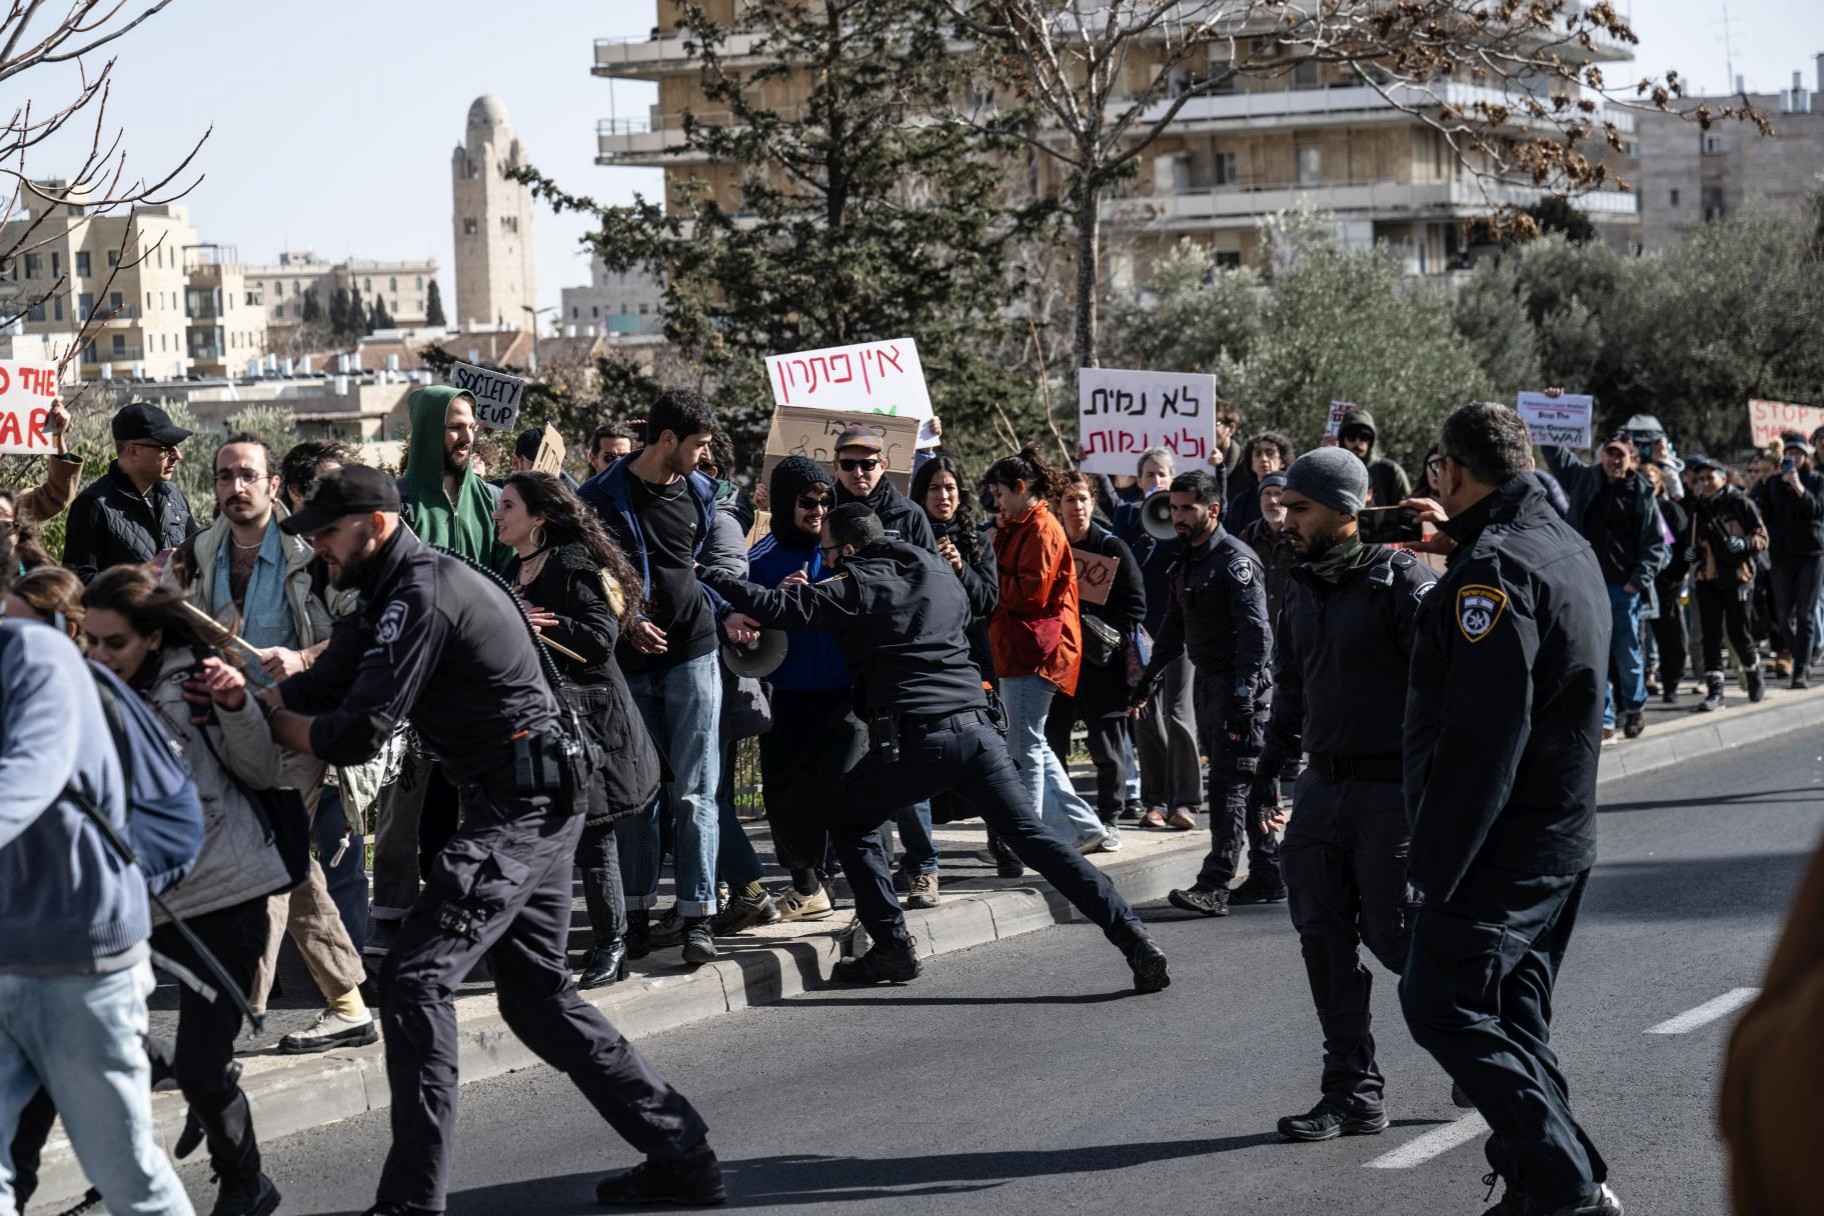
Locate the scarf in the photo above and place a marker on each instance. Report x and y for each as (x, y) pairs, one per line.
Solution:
(1339, 559)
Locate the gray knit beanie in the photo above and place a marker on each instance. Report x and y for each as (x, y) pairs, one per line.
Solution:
(1334, 477)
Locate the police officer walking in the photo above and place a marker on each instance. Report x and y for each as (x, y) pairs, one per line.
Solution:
(440, 642)
(900, 617)
(1503, 727)
(1218, 612)
(1345, 634)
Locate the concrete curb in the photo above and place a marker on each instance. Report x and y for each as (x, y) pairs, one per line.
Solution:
(294, 1093)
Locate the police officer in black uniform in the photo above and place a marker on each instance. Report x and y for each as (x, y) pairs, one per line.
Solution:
(1345, 635)
(901, 619)
(1218, 612)
(440, 642)
(1503, 727)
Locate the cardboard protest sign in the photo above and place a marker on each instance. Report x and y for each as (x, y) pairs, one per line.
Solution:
(1556, 422)
(1095, 575)
(805, 431)
(867, 378)
(1768, 420)
(1120, 414)
(496, 394)
(550, 457)
(1338, 410)
(26, 390)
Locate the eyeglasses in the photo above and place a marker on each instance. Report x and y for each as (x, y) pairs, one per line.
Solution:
(1435, 465)
(828, 550)
(235, 477)
(168, 451)
(808, 503)
(866, 466)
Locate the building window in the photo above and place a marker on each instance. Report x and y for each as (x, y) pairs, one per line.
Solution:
(1304, 74)
(120, 345)
(56, 265)
(56, 308)
(509, 223)
(595, 310)
(115, 303)
(367, 284)
(1713, 144)
(420, 282)
(85, 304)
(644, 309)
(148, 301)
(1675, 196)
(113, 258)
(392, 284)
(37, 312)
(1310, 162)
(278, 290)
(468, 227)
(1224, 169)
(33, 263)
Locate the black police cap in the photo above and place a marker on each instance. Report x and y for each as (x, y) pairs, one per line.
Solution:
(353, 489)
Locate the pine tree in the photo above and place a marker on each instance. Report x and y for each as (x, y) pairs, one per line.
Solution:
(358, 325)
(338, 312)
(379, 318)
(433, 306)
(313, 313)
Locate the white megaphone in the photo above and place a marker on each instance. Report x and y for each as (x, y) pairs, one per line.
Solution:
(758, 658)
(1156, 516)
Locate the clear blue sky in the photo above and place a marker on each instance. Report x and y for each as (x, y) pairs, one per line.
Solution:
(334, 120)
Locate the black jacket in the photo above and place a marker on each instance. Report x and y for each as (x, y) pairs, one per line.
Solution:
(1583, 488)
(1217, 611)
(1504, 714)
(1795, 518)
(1730, 513)
(897, 512)
(982, 584)
(898, 614)
(1103, 690)
(111, 525)
(1350, 642)
(1275, 552)
(437, 642)
(1678, 522)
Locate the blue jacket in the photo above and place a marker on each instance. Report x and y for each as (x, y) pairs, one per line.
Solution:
(608, 493)
(812, 662)
(66, 900)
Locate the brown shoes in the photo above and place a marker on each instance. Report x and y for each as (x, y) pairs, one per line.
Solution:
(1181, 820)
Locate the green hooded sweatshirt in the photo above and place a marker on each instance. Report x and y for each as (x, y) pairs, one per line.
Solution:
(465, 526)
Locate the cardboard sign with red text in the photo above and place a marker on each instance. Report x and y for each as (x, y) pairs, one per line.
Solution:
(1120, 414)
(1095, 575)
(867, 378)
(1768, 420)
(806, 431)
(26, 392)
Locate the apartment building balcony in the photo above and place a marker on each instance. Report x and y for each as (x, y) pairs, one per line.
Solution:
(1241, 206)
(656, 140)
(1356, 104)
(649, 57)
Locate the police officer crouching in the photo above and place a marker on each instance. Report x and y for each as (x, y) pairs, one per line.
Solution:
(899, 616)
(444, 644)
(1218, 612)
(1344, 636)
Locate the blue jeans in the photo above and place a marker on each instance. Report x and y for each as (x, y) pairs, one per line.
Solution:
(739, 864)
(680, 705)
(347, 879)
(83, 1038)
(919, 854)
(1624, 653)
(1028, 703)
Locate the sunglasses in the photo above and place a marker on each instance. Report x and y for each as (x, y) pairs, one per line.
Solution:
(808, 502)
(1435, 465)
(164, 449)
(866, 466)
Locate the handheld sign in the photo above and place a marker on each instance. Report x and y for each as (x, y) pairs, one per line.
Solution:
(550, 457)
(1095, 575)
(1339, 410)
(802, 431)
(867, 378)
(1556, 422)
(1120, 414)
(1768, 420)
(496, 394)
(26, 392)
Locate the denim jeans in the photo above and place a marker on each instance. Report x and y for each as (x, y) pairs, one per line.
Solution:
(1047, 782)
(347, 879)
(1624, 653)
(83, 1037)
(680, 705)
(918, 851)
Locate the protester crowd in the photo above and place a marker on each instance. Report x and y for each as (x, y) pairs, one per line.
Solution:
(1710, 571)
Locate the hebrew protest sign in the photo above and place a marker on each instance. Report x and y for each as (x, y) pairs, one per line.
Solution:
(550, 457)
(1556, 422)
(867, 378)
(799, 430)
(1333, 426)
(1120, 414)
(26, 391)
(1095, 575)
(1768, 420)
(496, 394)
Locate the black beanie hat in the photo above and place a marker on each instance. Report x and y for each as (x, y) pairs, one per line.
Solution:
(791, 477)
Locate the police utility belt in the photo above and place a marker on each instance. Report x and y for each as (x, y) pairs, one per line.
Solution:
(887, 731)
(1357, 768)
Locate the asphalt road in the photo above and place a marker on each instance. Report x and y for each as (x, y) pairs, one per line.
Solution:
(1024, 1077)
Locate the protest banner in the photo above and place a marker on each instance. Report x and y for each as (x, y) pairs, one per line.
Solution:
(800, 430)
(496, 394)
(1095, 575)
(1556, 422)
(1768, 420)
(26, 391)
(550, 457)
(1333, 427)
(1120, 414)
(867, 378)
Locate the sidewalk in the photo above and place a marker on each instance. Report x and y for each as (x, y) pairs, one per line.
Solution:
(294, 1093)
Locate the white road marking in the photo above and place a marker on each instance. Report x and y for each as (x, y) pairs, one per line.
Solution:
(1709, 1011)
(1431, 1144)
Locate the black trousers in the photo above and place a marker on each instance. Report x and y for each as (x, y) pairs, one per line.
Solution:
(1107, 747)
(1720, 609)
(206, 1030)
(1795, 604)
(1231, 773)
(815, 739)
(1345, 867)
(501, 888)
(598, 860)
(1477, 993)
(961, 753)
(1669, 636)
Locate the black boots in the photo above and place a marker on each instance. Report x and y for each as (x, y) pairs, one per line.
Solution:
(1198, 899)
(1006, 863)
(1713, 692)
(693, 1180)
(1327, 1121)
(889, 962)
(1148, 962)
(1757, 682)
(606, 964)
(639, 933)
(246, 1195)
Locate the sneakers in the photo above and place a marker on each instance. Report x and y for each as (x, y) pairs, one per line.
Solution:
(885, 963)
(1669, 696)
(791, 904)
(1326, 1121)
(1634, 724)
(332, 1030)
(1757, 683)
(1603, 1203)
(699, 942)
(1198, 899)
(1801, 679)
(743, 913)
(1148, 962)
(1182, 819)
(921, 891)
(1154, 818)
(668, 929)
(1251, 892)
(1094, 842)
(693, 1180)
(1713, 693)
(1111, 842)
(1130, 812)
(1608, 735)
(247, 1195)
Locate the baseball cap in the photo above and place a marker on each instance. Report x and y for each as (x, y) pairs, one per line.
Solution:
(858, 437)
(143, 420)
(353, 489)
(1697, 462)
(1273, 479)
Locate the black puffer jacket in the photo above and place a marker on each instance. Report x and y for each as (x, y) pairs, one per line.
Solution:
(981, 583)
(898, 513)
(111, 525)
(1795, 518)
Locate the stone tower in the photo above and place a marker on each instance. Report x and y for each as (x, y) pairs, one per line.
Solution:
(493, 224)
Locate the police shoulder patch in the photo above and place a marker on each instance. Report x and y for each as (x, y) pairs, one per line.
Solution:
(1478, 608)
(834, 578)
(1242, 571)
(392, 623)
(1421, 590)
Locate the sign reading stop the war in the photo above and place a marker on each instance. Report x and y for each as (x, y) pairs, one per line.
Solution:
(1095, 575)
(26, 391)
(1768, 420)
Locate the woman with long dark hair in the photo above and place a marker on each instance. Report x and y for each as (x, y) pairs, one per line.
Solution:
(579, 592)
(145, 633)
(1036, 638)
